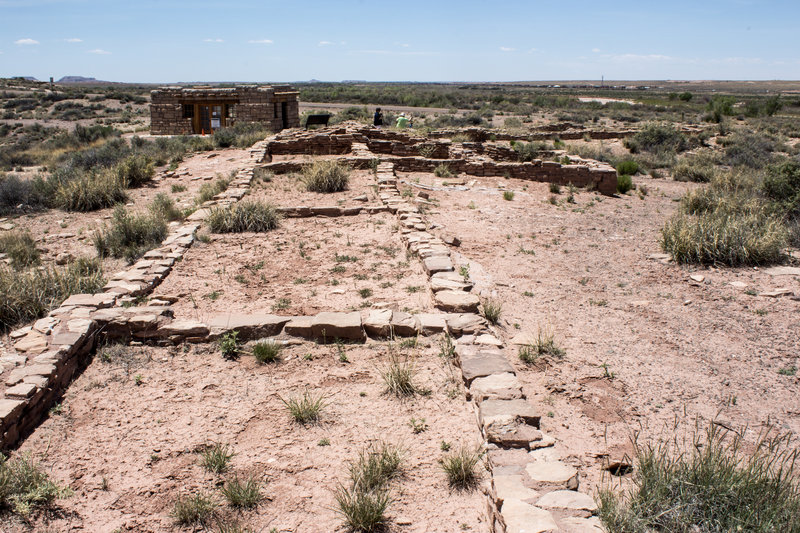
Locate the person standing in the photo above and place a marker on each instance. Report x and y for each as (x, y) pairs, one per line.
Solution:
(377, 120)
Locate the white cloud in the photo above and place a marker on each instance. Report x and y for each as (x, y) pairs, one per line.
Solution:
(325, 43)
(74, 40)
(26, 41)
(99, 52)
(213, 41)
(507, 49)
(596, 50)
(260, 41)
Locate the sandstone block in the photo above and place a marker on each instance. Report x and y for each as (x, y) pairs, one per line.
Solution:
(521, 517)
(378, 323)
(554, 473)
(491, 409)
(404, 324)
(467, 323)
(249, 326)
(337, 326)
(430, 323)
(568, 499)
(436, 264)
(482, 364)
(457, 301)
(503, 386)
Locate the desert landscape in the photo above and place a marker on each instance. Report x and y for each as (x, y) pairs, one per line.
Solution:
(488, 322)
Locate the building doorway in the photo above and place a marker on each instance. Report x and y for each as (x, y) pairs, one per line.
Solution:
(285, 114)
(208, 118)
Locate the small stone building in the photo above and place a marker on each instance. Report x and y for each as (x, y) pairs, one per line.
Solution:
(201, 110)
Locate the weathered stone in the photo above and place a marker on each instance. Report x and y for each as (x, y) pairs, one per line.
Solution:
(45, 325)
(9, 409)
(21, 390)
(40, 381)
(249, 326)
(446, 284)
(511, 487)
(488, 340)
(457, 301)
(567, 499)
(521, 517)
(378, 323)
(452, 240)
(554, 473)
(19, 333)
(782, 271)
(436, 264)
(404, 324)
(99, 300)
(299, 326)
(183, 328)
(576, 524)
(80, 325)
(776, 293)
(66, 338)
(545, 442)
(503, 386)
(467, 323)
(32, 343)
(430, 323)
(483, 363)
(510, 432)
(491, 409)
(337, 326)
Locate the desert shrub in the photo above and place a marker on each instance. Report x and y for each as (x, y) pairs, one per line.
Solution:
(747, 149)
(306, 408)
(627, 167)
(624, 183)
(362, 510)
(89, 192)
(130, 235)
(398, 375)
(697, 168)
(326, 176)
(31, 294)
(376, 465)
(209, 190)
(508, 195)
(782, 187)
(243, 217)
(492, 309)
(24, 486)
(461, 467)
(267, 352)
(657, 137)
(224, 138)
(135, 170)
(528, 151)
(229, 345)
(708, 485)
(544, 345)
(196, 509)
(443, 171)
(718, 107)
(15, 191)
(512, 122)
(162, 206)
(360, 114)
(242, 493)
(262, 174)
(216, 457)
(20, 249)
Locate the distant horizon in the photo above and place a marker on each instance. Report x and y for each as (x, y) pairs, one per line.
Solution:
(429, 42)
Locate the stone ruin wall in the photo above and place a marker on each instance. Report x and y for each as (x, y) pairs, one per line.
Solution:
(250, 104)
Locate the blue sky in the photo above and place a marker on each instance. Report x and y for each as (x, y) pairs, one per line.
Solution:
(261, 40)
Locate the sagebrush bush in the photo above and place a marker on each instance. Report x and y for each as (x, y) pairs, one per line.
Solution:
(24, 486)
(443, 171)
(163, 207)
(196, 509)
(657, 137)
(753, 150)
(244, 216)
(699, 169)
(710, 484)
(89, 192)
(209, 190)
(627, 167)
(20, 249)
(224, 138)
(624, 183)
(31, 294)
(327, 175)
(461, 467)
(15, 191)
(528, 151)
(135, 170)
(130, 235)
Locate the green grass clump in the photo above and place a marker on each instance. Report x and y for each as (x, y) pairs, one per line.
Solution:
(398, 375)
(267, 352)
(216, 457)
(31, 294)
(89, 192)
(196, 509)
(362, 510)
(243, 217)
(627, 167)
(163, 207)
(461, 467)
(624, 183)
(306, 408)
(508, 195)
(24, 486)
(542, 346)
(20, 249)
(135, 170)
(376, 465)
(130, 235)
(242, 493)
(528, 151)
(209, 190)
(708, 485)
(327, 175)
(492, 309)
(443, 171)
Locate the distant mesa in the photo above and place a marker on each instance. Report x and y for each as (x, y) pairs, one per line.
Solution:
(26, 78)
(75, 79)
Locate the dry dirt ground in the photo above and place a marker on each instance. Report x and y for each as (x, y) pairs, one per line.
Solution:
(645, 345)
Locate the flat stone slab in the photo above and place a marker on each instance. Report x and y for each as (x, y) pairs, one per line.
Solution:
(568, 499)
(511, 487)
(378, 323)
(9, 408)
(430, 323)
(491, 409)
(503, 386)
(299, 326)
(99, 300)
(445, 284)
(404, 324)
(21, 390)
(782, 271)
(553, 473)
(510, 432)
(437, 263)
(32, 343)
(456, 301)
(183, 328)
(521, 517)
(776, 293)
(249, 326)
(482, 364)
(465, 323)
(332, 326)
(575, 524)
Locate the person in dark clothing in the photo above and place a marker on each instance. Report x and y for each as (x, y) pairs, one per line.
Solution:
(377, 120)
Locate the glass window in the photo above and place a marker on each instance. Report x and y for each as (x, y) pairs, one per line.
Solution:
(188, 111)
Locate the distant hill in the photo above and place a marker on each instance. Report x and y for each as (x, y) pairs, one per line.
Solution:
(76, 79)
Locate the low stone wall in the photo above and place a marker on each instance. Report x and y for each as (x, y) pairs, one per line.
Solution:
(481, 134)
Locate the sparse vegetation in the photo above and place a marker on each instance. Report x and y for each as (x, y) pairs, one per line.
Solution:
(443, 171)
(20, 249)
(508, 195)
(130, 235)
(25, 486)
(195, 509)
(216, 457)
(398, 374)
(306, 408)
(245, 216)
(243, 493)
(209, 190)
(460, 467)
(492, 309)
(267, 352)
(326, 176)
(229, 345)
